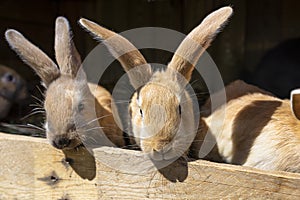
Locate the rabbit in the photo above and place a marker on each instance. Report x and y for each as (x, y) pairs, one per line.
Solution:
(70, 101)
(233, 90)
(13, 89)
(163, 120)
(259, 131)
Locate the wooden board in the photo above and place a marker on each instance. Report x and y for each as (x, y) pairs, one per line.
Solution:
(32, 169)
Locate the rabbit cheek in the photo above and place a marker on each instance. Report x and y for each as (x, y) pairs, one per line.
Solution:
(7, 90)
(4, 107)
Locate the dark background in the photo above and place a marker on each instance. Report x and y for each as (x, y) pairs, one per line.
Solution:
(256, 27)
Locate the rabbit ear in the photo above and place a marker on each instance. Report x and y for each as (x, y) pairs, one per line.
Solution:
(295, 103)
(126, 53)
(45, 68)
(67, 56)
(192, 47)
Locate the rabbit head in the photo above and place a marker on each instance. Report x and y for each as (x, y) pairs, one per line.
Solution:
(13, 89)
(68, 100)
(161, 109)
(13, 86)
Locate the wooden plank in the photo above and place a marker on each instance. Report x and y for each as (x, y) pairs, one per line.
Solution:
(32, 169)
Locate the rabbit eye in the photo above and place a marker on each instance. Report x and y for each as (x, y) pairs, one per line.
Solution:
(9, 78)
(179, 109)
(80, 107)
(141, 112)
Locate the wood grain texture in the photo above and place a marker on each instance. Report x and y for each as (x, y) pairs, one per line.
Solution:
(32, 169)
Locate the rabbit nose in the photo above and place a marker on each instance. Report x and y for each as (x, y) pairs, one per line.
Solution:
(61, 142)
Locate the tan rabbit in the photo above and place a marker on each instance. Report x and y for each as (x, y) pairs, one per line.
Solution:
(233, 90)
(259, 131)
(162, 115)
(73, 106)
(12, 89)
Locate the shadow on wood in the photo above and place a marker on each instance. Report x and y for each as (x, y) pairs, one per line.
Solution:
(176, 171)
(82, 161)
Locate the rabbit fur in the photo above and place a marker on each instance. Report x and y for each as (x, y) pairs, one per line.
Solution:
(259, 130)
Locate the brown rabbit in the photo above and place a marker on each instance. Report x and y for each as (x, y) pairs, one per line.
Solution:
(233, 90)
(259, 130)
(12, 89)
(163, 119)
(75, 109)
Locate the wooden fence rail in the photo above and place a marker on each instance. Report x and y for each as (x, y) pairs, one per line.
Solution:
(32, 169)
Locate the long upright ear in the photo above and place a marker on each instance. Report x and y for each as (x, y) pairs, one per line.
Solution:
(67, 56)
(45, 68)
(295, 103)
(192, 47)
(126, 53)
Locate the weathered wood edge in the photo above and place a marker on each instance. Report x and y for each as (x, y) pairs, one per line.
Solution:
(50, 175)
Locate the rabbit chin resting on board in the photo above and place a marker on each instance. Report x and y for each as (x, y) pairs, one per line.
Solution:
(75, 109)
(259, 130)
(163, 121)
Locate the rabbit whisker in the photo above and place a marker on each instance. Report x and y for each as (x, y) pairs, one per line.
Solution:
(195, 81)
(36, 105)
(122, 101)
(105, 127)
(31, 114)
(39, 100)
(40, 109)
(40, 90)
(93, 120)
(197, 93)
(94, 128)
(36, 127)
(124, 86)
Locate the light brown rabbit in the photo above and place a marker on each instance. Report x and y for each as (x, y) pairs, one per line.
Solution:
(12, 89)
(163, 119)
(233, 90)
(73, 106)
(259, 130)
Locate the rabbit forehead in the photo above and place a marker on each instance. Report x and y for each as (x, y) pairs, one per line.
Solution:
(157, 93)
(63, 95)
(170, 79)
(4, 69)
